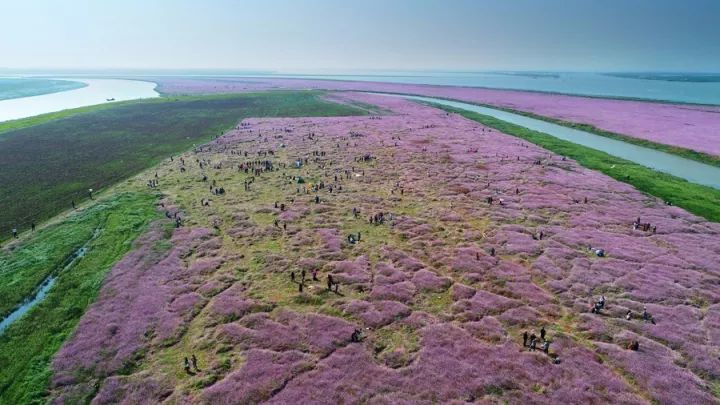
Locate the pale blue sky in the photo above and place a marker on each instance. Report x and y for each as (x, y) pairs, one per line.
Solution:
(297, 35)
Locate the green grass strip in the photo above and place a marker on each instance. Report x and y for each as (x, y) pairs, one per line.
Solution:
(700, 200)
(20, 123)
(27, 346)
(25, 267)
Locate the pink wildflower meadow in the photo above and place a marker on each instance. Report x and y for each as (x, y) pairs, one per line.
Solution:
(686, 126)
(433, 301)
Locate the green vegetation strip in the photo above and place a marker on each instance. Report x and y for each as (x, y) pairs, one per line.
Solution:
(46, 162)
(6, 126)
(27, 346)
(24, 268)
(700, 200)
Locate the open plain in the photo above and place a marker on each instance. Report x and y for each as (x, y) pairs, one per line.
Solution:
(445, 241)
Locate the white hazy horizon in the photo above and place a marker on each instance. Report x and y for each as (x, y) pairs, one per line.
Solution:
(296, 36)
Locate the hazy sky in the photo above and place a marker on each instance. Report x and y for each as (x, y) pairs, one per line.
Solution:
(294, 35)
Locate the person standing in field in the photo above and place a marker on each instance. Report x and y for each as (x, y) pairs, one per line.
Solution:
(193, 359)
(186, 366)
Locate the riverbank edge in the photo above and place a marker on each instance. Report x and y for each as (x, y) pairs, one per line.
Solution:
(158, 79)
(20, 123)
(698, 199)
(686, 153)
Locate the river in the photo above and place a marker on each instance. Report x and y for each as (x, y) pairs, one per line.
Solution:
(575, 83)
(97, 91)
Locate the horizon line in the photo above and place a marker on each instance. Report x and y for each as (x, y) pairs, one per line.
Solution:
(339, 71)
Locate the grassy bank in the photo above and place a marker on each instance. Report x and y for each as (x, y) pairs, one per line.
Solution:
(23, 268)
(27, 346)
(46, 162)
(700, 200)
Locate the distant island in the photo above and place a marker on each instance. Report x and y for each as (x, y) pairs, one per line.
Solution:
(533, 75)
(671, 77)
(26, 87)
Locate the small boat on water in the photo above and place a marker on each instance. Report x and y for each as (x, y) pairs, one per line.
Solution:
(110, 99)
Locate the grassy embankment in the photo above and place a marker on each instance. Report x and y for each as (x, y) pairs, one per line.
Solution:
(149, 129)
(27, 346)
(48, 161)
(700, 200)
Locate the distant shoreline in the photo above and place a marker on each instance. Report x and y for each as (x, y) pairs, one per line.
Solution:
(354, 78)
(665, 87)
(11, 88)
(671, 77)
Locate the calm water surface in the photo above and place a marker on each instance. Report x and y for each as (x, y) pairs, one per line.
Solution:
(586, 84)
(97, 91)
(26, 87)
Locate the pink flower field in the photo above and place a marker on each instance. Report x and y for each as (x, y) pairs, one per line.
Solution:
(445, 239)
(686, 126)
